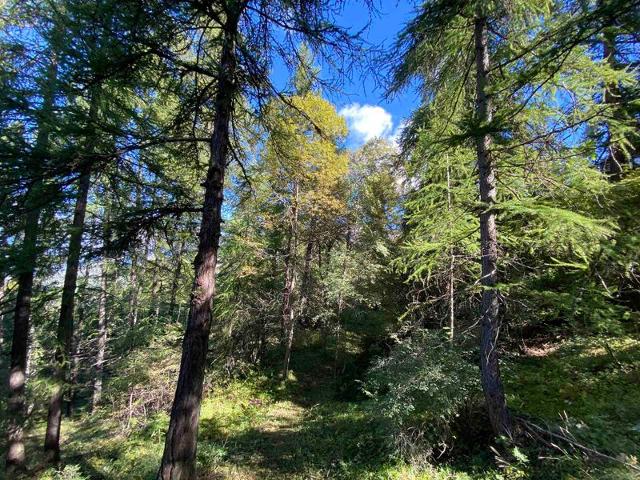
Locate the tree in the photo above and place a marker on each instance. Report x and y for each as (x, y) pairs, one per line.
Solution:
(241, 67)
(515, 81)
(305, 169)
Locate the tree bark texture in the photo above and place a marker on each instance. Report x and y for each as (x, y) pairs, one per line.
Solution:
(65, 321)
(179, 457)
(490, 323)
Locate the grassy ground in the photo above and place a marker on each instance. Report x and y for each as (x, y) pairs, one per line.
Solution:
(315, 428)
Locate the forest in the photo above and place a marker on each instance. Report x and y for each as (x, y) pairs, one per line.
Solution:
(320, 239)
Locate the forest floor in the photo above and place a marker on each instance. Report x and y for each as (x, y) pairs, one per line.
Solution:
(313, 427)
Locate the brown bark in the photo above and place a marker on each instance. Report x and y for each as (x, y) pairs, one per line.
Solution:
(102, 338)
(499, 415)
(65, 321)
(179, 457)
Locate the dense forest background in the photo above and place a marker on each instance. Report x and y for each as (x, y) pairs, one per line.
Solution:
(201, 278)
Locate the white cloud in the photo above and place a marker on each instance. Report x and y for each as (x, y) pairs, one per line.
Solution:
(367, 121)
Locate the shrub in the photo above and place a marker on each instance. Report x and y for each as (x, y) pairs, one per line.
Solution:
(423, 388)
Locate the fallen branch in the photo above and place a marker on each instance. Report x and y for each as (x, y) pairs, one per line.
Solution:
(536, 430)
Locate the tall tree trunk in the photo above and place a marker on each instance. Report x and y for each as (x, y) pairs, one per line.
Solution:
(450, 283)
(3, 289)
(179, 457)
(16, 403)
(177, 272)
(490, 325)
(134, 284)
(102, 338)
(288, 325)
(16, 455)
(65, 321)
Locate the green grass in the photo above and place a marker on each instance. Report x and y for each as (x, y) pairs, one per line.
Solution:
(307, 428)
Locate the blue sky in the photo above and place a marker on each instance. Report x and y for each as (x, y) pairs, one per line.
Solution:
(360, 100)
(363, 104)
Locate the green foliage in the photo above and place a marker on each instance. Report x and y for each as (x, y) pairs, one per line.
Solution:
(423, 386)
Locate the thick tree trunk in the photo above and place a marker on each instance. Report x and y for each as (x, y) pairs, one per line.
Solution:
(65, 321)
(288, 324)
(19, 362)
(490, 325)
(16, 455)
(102, 338)
(179, 457)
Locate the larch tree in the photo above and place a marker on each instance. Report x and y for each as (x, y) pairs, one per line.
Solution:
(510, 59)
(239, 67)
(306, 169)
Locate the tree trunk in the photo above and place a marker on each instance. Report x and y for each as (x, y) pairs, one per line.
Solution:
(177, 272)
(450, 283)
(3, 289)
(154, 308)
(102, 338)
(133, 285)
(179, 457)
(288, 325)
(305, 285)
(75, 345)
(65, 321)
(16, 455)
(490, 325)
(16, 404)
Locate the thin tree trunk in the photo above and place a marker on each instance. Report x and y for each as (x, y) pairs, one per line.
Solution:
(75, 345)
(179, 457)
(102, 338)
(65, 321)
(305, 285)
(499, 415)
(288, 323)
(154, 308)
(451, 257)
(341, 304)
(133, 285)
(177, 272)
(3, 289)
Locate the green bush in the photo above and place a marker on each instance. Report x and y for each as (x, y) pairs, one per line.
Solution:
(423, 388)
